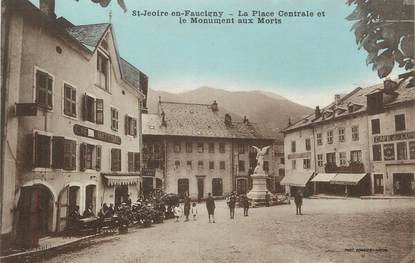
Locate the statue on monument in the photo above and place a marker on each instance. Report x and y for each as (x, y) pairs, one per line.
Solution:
(259, 169)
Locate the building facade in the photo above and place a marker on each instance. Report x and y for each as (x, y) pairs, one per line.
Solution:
(72, 123)
(358, 145)
(196, 149)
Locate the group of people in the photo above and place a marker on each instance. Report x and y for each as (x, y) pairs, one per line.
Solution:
(188, 208)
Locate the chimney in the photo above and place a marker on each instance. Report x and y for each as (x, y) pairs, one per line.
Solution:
(228, 120)
(317, 112)
(163, 119)
(337, 99)
(48, 8)
(214, 106)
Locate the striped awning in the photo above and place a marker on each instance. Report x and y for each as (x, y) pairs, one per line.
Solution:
(349, 179)
(121, 179)
(323, 177)
(298, 179)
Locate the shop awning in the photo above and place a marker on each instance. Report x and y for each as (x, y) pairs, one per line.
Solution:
(349, 179)
(323, 177)
(122, 179)
(299, 179)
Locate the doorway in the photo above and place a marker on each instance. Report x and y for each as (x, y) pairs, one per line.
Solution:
(402, 183)
(241, 186)
(90, 197)
(378, 178)
(217, 187)
(121, 194)
(200, 187)
(147, 185)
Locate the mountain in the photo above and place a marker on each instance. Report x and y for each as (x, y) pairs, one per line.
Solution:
(259, 106)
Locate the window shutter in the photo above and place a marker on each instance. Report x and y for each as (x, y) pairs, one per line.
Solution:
(85, 107)
(72, 145)
(42, 151)
(127, 125)
(115, 160)
(130, 162)
(82, 157)
(58, 152)
(136, 162)
(99, 111)
(98, 157)
(69, 155)
(49, 92)
(135, 127)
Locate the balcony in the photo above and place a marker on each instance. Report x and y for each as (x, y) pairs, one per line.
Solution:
(353, 167)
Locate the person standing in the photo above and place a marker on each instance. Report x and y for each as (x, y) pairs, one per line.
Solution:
(298, 199)
(194, 211)
(231, 204)
(246, 205)
(267, 197)
(210, 206)
(177, 212)
(186, 208)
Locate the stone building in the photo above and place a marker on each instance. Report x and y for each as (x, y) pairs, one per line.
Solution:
(73, 110)
(343, 149)
(198, 149)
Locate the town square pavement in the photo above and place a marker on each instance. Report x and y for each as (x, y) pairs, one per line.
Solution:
(351, 230)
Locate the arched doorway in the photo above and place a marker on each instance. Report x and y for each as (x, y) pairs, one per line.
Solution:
(35, 214)
(90, 197)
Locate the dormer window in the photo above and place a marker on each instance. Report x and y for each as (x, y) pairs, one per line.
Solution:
(102, 71)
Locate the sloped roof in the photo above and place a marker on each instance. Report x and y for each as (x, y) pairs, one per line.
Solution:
(198, 120)
(132, 75)
(358, 99)
(88, 35)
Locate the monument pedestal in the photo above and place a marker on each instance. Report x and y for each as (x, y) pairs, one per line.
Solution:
(259, 188)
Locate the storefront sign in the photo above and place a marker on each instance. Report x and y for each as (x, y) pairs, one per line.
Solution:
(299, 155)
(394, 137)
(95, 134)
(148, 172)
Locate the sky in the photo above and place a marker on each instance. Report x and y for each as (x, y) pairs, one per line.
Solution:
(306, 60)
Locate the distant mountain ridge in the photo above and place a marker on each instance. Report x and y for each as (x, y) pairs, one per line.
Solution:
(258, 106)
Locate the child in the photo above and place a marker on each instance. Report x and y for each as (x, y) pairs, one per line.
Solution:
(177, 212)
(194, 211)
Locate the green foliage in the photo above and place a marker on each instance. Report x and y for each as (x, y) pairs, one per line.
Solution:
(385, 29)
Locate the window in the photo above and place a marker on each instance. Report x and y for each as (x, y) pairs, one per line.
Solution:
(319, 160)
(114, 119)
(400, 122)
(377, 152)
(176, 164)
(99, 103)
(241, 148)
(44, 90)
(341, 134)
(266, 166)
(401, 151)
(69, 104)
(63, 153)
(281, 172)
(343, 158)
(241, 166)
(319, 139)
(133, 161)
(356, 156)
(103, 71)
(98, 157)
(200, 164)
(282, 160)
(211, 147)
(189, 164)
(211, 165)
(375, 126)
(306, 163)
(189, 147)
(294, 164)
(222, 165)
(331, 158)
(293, 146)
(93, 109)
(330, 137)
(221, 147)
(200, 147)
(355, 133)
(89, 156)
(130, 126)
(389, 152)
(177, 147)
(412, 150)
(115, 159)
(42, 151)
(308, 144)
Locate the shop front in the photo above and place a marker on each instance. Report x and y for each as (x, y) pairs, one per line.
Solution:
(298, 181)
(120, 187)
